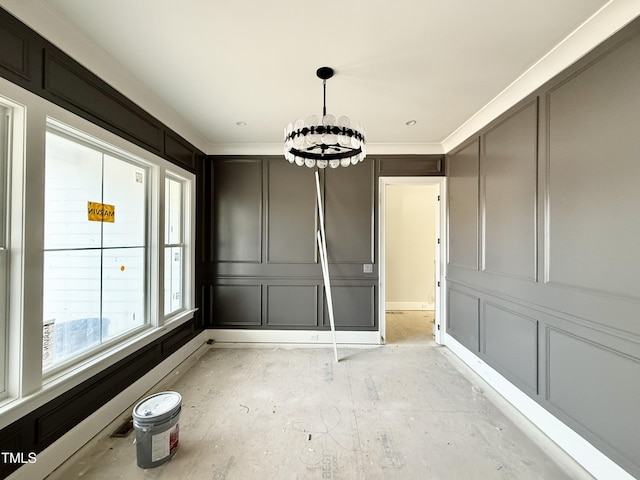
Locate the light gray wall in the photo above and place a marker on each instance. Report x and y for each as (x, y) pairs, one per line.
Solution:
(544, 259)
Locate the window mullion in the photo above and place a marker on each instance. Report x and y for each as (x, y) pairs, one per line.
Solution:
(102, 254)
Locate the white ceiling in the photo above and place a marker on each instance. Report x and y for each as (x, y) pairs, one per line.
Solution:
(218, 62)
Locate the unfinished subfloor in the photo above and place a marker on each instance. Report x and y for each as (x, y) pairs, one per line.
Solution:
(399, 411)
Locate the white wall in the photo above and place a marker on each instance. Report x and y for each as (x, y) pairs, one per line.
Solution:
(410, 246)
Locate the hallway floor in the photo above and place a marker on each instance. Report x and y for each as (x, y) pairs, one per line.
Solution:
(399, 411)
(410, 327)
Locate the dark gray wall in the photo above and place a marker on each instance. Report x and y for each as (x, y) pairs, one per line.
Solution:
(265, 272)
(36, 65)
(544, 257)
(266, 267)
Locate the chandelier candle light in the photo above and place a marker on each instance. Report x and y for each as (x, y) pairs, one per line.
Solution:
(328, 142)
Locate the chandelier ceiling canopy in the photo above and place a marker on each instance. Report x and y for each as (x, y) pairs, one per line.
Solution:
(326, 141)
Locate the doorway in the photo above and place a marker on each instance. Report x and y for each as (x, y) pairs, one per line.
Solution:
(411, 243)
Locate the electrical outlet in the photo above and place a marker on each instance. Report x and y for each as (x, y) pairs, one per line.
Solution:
(367, 268)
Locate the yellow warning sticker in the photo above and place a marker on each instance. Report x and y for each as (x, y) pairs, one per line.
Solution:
(101, 212)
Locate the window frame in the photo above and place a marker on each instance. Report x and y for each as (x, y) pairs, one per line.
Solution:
(26, 386)
(80, 137)
(185, 213)
(156, 321)
(14, 239)
(5, 215)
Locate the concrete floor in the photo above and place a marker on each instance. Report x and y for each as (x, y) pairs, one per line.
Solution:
(407, 410)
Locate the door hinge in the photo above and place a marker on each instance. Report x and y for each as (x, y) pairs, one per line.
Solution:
(438, 326)
(438, 197)
(438, 282)
(438, 241)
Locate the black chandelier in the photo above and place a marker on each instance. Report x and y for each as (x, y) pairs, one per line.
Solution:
(328, 142)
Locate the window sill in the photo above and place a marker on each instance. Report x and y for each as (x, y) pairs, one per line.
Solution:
(13, 408)
(176, 319)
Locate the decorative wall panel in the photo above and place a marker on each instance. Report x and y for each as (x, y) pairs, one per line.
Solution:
(463, 179)
(14, 50)
(415, 166)
(80, 90)
(509, 173)
(584, 382)
(237, 305)
(349, 209)
(237, 196)
(179, 151)
(594, 176)
(511, 344)
(353, 306)
(292, 305)
(463, 319)
(291, 214)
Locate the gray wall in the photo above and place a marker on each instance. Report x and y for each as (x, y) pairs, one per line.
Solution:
(266, 270)
(544, 247)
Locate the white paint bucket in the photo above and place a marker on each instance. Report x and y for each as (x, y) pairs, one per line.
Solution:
(155, 420)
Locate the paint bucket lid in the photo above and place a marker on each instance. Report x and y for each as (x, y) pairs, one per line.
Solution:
(157, 407)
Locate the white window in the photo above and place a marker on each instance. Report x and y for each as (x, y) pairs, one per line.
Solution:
(92, 231)
(4, 243)
(174, 244)
(96, 256)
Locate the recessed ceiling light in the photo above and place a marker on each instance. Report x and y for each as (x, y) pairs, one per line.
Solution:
(410, 123)
(241, 124)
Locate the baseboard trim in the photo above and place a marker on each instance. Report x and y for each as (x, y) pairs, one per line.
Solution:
(589, 457)
(410, 306)
(103, 421)
(313, 337)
